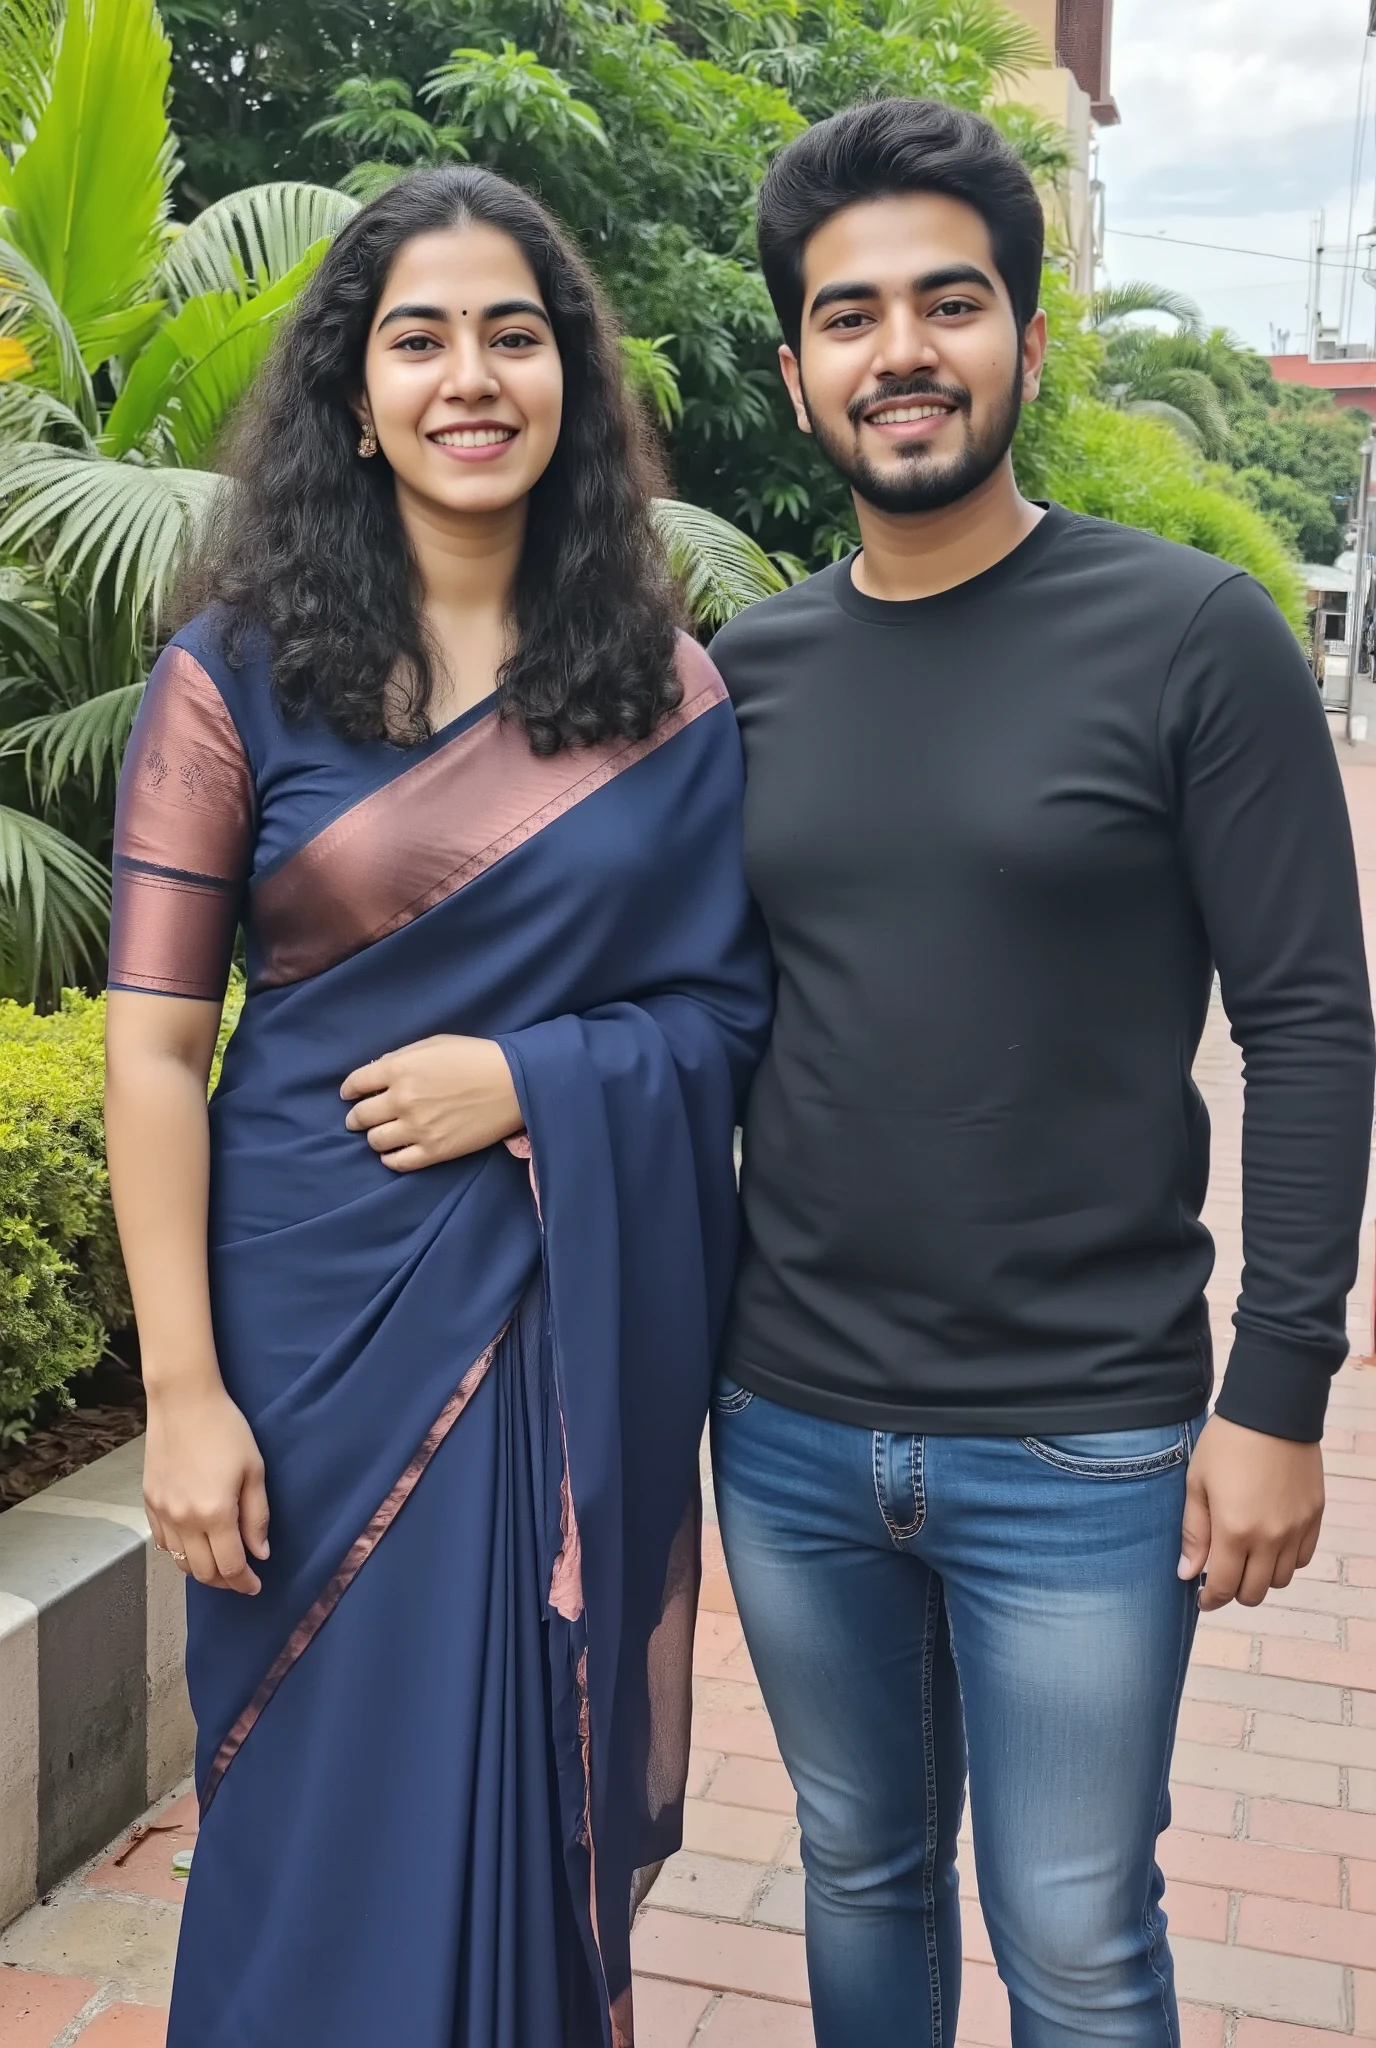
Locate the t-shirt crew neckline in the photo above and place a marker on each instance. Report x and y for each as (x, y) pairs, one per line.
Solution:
(900, 611)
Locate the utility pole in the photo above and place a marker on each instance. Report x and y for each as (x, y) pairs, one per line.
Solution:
(1361, 577)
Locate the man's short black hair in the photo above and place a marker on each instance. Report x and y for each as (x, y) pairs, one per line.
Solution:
(888, 147)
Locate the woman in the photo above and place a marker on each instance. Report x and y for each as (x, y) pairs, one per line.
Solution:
(436, 1286)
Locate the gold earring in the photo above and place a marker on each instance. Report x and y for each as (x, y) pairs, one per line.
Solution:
(367, 441)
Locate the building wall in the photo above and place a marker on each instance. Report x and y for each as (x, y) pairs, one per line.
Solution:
(1351, 382)
(1055, 93)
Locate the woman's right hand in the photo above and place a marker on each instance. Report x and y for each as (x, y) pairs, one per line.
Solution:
(203, 1485)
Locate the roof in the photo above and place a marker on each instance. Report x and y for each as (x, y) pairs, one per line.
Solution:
(1084, 36)
(1323, 576)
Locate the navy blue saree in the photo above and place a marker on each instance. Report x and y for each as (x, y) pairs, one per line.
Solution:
(436, 1750)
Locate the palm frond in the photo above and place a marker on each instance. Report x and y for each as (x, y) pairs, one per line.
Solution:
(367, 181)
(1169, 415)
(721, 569)
(90, 194)
(87, 740)
(1194, 394)
(652, 375)
(1044, 145)
(995, 34)
(199, 366)
(29, 413)
(1118, 302)
(28, 44)
(250, 240)
(28, 636)
(94, 514)
(31, 313)
(54, 906)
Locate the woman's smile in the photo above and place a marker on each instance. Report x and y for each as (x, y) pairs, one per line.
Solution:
(474, 444)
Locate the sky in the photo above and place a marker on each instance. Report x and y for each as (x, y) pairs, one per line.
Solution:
(1238, 123)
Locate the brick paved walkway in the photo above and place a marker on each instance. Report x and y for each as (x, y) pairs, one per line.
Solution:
(1271, 1861)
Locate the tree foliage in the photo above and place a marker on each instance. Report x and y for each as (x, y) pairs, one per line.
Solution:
(1094, 456)
(645, 127)
(1293, 450)
(128, 339)
(143, 276)
(1297, 457)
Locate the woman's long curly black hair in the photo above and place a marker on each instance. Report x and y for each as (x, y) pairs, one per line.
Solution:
(308, 545)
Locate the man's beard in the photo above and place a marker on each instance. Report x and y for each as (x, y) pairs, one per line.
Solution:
(924, 483)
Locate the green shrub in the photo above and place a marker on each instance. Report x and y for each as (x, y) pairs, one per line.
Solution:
(1121, 466)
(62, 1283)
(1116, 465)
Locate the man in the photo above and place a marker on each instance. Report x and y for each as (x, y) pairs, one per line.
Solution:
(1018, 782)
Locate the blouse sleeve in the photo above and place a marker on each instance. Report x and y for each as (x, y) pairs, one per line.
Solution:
(184, 828)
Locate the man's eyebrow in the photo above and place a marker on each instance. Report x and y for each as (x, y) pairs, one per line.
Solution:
(953, 273)
(848, 291)
(834, 294)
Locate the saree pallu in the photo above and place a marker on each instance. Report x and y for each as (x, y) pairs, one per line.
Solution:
(437, 1747)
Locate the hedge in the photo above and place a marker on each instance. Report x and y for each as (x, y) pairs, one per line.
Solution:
(1091, 458)
(62, 1282)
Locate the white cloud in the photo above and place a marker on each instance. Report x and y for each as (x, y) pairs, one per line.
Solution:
(1238, 124)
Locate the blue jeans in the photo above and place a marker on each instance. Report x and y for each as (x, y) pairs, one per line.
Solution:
(907, 1598)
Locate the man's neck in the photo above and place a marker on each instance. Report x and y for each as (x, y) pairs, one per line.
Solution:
(917, 554)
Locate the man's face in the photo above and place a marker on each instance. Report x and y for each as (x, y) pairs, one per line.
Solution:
(910, 371)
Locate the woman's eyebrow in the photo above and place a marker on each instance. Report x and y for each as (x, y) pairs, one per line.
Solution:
(506, 308)
(436, 313)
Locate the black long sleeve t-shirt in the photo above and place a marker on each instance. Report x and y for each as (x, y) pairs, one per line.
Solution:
(1002, 838)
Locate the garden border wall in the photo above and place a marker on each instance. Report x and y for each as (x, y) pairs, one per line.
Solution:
(95, 1723)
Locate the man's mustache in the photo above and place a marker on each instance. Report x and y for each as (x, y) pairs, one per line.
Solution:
(894, 390)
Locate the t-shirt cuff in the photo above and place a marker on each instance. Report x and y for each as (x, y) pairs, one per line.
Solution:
(1280, 1389)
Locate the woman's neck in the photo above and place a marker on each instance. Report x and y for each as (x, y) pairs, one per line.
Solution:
(467, 567)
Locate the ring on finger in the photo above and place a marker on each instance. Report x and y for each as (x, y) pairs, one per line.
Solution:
(177, 1556)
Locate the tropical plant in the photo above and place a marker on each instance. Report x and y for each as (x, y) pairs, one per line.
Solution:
(127, 336)
(1293, 450)
(134, 340)
(1184, 379)
(1097, 458)
(646, 126)
(128, 341)
(1116, 303)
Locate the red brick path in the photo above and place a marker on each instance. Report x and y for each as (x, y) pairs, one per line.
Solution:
(1271, 1862)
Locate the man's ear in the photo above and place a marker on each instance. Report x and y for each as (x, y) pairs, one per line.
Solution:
(1033, 355)
(793, 378)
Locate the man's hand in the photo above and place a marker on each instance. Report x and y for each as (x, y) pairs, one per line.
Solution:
(440, 1098)
(1253, 1510)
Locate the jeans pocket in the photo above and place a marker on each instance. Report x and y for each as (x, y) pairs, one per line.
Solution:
(1115, 1453)
(728, 1396)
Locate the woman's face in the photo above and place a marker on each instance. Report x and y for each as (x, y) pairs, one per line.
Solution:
(462, 379)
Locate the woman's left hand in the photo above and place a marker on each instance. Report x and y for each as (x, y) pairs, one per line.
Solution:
(440, 1098)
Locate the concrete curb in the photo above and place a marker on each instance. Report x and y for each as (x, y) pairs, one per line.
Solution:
(95, 1723)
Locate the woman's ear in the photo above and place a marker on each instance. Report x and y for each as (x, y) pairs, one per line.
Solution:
(367, 436)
